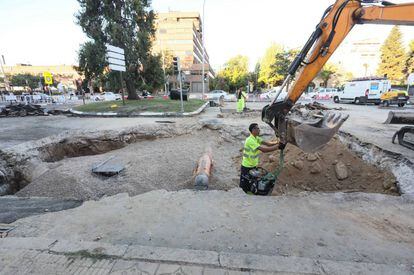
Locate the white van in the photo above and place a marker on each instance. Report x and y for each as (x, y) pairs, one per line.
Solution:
(363, 90)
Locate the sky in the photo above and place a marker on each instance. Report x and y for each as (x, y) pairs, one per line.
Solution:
(44, 32)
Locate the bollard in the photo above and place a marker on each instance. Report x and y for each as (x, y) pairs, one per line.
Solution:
(203, 171)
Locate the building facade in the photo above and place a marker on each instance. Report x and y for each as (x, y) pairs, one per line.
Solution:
(360, 57)
(64, 74)
(180, 34)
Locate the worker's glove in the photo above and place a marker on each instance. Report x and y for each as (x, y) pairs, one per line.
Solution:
(282, 146)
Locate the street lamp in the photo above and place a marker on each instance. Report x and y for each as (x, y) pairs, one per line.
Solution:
(202, 42)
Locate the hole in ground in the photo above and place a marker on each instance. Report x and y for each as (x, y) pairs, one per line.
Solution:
(165, 163)
(168, 163)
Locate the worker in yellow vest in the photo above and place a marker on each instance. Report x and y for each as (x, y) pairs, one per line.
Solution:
(252, 148)
(241, 97)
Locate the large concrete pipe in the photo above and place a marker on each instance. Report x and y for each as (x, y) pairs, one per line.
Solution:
(203, 171)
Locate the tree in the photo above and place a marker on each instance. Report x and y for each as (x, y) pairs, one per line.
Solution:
(280, 67)
(266, 74)
(393, 57)
(327, 72)
(235, 72)
(409, 62)
(128, 24)
(219, 83)
(26, 80)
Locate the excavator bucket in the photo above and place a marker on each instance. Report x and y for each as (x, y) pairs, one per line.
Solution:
(400, 118)
(312, 135)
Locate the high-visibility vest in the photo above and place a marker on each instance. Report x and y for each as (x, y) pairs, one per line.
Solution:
(251, 151)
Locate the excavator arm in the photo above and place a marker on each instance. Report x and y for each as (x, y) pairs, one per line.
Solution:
(337, 21)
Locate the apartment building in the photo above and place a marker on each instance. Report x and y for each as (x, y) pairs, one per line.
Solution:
(181, 34)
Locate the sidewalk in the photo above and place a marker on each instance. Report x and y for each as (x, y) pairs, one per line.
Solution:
(48, 256)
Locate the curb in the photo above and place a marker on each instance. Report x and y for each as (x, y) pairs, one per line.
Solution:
(234, 261)
(144, 114)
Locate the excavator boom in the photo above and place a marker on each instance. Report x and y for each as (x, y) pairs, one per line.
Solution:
(337, 21)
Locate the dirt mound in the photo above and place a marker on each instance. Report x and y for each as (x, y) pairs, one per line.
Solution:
(333, 169)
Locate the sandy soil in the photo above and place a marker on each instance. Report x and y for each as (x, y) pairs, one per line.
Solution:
(316, 172)
(149, 165)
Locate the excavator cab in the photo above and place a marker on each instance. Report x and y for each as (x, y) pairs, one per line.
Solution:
(311, 133)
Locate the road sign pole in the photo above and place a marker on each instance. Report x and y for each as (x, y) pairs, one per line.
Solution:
(181, 92)
(122, 90)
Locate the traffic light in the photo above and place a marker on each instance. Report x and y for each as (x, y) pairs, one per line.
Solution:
(205, 77)
(176, 65)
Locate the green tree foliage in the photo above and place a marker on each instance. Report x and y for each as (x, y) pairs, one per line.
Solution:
(327, 72)
(26, 80)
(393, 57)
(280, 67)
(409, 62)
(219, 83)
(235, 72)
(266, 74)
(128, 24)
(91, 57)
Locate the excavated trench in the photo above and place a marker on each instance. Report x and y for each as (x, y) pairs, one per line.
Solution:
(164, 157)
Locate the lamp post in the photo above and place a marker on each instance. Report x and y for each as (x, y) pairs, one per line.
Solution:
(202, 42)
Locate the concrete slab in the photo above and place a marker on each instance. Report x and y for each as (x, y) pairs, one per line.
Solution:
(28, 243)
(14, 208)
(63, 246)
(172, 255)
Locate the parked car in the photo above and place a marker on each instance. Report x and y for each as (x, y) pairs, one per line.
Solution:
(217, 94)
(271, 94)
(107, 96)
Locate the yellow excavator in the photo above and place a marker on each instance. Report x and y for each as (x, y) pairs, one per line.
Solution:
(337, 21)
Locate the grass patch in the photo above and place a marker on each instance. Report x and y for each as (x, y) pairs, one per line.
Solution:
(158, 105)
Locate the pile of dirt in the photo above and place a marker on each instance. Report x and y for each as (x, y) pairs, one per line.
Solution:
(333, 169)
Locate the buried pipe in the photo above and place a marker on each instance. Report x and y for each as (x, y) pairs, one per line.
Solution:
(203, 171)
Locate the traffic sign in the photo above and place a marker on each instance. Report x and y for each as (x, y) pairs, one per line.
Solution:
(48, 78)
(116, 61)
(117, 68)
(116, 58)
(110, 48)
(115, 55)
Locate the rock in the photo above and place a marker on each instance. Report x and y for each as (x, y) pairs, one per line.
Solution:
(220, 116)
(316, 168)
(341, 171)
(298, 164)
(312, 157)
(387, 185)
(272, 158)
(213, 124)
(335, 162)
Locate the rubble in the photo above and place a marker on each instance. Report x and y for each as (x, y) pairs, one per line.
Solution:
(328, 171)
(341, 171)
(315, 168)
(20, 109)
(298, 164)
